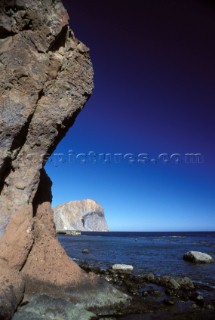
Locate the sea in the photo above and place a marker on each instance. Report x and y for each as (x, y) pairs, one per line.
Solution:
(160, 253)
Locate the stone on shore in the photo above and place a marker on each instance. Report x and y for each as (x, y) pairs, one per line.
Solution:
(150, 277)
(174, 284)
(197, 257)
(186, 283)
(122, 267)
(86, 251)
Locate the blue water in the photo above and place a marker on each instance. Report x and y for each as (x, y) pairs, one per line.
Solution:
(157, 252)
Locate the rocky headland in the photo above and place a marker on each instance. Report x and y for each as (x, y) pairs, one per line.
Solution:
(85, 215)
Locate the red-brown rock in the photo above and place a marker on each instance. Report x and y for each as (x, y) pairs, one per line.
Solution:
(46, 79)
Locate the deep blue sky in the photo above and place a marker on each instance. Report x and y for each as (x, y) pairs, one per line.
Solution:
(154, 93)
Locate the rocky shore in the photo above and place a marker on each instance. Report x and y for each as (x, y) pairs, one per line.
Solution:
(156, 297)
(146, 296)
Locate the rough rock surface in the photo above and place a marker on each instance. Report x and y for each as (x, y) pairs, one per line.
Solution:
(47, 252)
(46, 78)
(85, 215)
(11, 291)
(48, 308)
(197, 257)
(49, 270)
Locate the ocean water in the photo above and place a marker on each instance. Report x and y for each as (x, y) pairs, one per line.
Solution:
(158, 252)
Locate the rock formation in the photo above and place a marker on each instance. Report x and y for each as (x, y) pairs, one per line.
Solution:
(46, 78)
(85, 215)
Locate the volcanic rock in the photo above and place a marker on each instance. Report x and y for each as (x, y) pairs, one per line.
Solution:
(85, 215)
(46, 79)
(11, 291)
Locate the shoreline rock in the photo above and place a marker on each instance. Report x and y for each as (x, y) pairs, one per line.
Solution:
(122, 268)
(145, 295)
(153, 295)
(47, 308)
(198, 257)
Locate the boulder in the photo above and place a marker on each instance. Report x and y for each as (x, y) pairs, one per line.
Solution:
(86, 251)
(169, 282)
(186, 283)
(122, 267)
(85, 215)
(149, 277)
(173, 284)
(197, 257)
(199, 300)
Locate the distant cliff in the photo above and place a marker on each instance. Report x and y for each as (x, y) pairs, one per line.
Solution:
(85, 215)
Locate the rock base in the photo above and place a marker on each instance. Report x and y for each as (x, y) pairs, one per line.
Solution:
(11, 292)
(48, 308)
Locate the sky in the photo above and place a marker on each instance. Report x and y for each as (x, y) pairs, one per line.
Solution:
(153, 103)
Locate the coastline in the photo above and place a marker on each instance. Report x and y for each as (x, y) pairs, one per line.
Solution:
(161, 254)
(149, 297)
(144, 294)
(155, 297)
(69, 232)
(148, 233)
